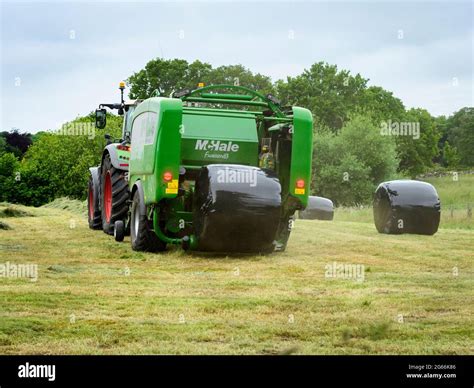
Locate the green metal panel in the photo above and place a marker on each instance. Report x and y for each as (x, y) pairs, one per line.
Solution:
(301, 153)
(227, 96)
(212, 137)
(156, 147)
(228, 101)
(214, 111)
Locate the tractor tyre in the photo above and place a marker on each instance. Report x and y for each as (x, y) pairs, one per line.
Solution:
(93, 210)
(115, 195)
(142, 236)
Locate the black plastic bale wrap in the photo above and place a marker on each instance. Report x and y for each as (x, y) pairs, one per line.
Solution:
(234, 213)
(318, 208)
(406, 206)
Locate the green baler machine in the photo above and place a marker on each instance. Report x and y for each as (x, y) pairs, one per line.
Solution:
(220, 168)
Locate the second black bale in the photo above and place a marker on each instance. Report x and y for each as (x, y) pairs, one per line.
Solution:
(406, 206)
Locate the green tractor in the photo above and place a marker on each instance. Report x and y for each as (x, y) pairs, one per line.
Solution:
(220, 168)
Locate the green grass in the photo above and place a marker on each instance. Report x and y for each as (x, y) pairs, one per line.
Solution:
(13, 211)
(452, 192)
(4, 226)
(96, 296)
(65, 203)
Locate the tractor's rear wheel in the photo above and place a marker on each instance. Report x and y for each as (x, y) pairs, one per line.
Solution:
(141, 231)
(115, 195)
(93, 213)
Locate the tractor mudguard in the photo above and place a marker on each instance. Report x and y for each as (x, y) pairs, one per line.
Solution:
(137, 186)
(111, 149)
(95, 176)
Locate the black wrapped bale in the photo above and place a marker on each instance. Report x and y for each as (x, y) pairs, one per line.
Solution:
(318, 208)
(237, 209)
(406, 206)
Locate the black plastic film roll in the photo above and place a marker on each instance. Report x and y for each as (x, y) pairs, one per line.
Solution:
(318, 208)
(237, 208)
(406, 206)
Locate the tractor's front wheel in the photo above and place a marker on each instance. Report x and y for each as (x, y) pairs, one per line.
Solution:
(141, 231)
(114, 196)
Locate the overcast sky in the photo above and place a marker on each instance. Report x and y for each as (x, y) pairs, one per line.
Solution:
(61, 59)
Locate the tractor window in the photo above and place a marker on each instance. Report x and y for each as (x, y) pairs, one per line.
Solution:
(128, 119)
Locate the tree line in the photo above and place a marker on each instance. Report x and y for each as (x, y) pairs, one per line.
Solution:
(362, 134)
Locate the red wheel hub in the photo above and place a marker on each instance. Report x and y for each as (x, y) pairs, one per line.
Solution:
(108, 197)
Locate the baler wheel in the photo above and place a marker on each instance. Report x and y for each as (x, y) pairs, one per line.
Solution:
(141, 230)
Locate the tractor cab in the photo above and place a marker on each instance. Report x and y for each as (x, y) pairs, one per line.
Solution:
(129, 108)
(124, 108)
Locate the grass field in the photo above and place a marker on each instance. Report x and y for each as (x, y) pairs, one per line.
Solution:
(96, 296)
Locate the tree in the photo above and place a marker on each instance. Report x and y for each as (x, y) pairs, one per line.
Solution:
(450, 155)
(330, 94)
(3, 145)
(348, 166)
(380, 105)
(167, 76)
(441, 124)
(460, 133)
(16, 142)
(345, 182)
(239, 75)
(175, 74)
(9, 165)
(61, 159)
(416, 151)
(363, 139)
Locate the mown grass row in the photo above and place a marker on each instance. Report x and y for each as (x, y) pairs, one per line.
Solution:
(96, 296)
